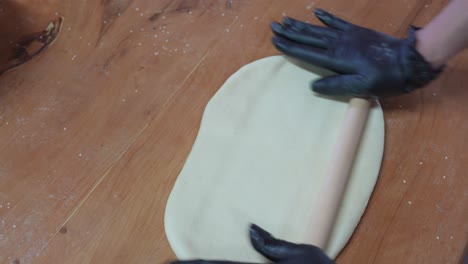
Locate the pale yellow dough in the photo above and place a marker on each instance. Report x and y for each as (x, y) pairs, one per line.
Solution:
(259, 157)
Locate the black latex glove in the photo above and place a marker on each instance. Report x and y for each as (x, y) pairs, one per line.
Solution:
(278, 251)
(368, 63)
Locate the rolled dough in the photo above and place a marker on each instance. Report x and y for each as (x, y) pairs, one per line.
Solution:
(259, 157)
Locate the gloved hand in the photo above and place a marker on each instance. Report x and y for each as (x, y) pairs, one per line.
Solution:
(278, 251)
(368, 63)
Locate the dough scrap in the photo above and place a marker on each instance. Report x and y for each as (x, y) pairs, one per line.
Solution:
(263, 144)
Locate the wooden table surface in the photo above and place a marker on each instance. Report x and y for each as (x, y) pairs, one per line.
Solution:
(94, 131)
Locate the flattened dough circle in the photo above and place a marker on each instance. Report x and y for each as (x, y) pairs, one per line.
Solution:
(262, 148)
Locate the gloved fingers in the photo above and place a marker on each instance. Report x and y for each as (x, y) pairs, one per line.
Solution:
(202, 261)
(309, 54)
(274, 249)
(341, 85)
(307, 28)
(297, 36)
(332, 21)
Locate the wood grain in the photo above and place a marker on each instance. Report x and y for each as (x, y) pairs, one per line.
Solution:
(94, 131)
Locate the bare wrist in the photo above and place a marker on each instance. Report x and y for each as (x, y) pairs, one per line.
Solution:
(430, 49)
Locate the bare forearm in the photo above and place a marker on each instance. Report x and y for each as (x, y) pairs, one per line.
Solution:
(446, 35)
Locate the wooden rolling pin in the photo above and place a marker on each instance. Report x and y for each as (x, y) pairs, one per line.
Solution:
(338, 170)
